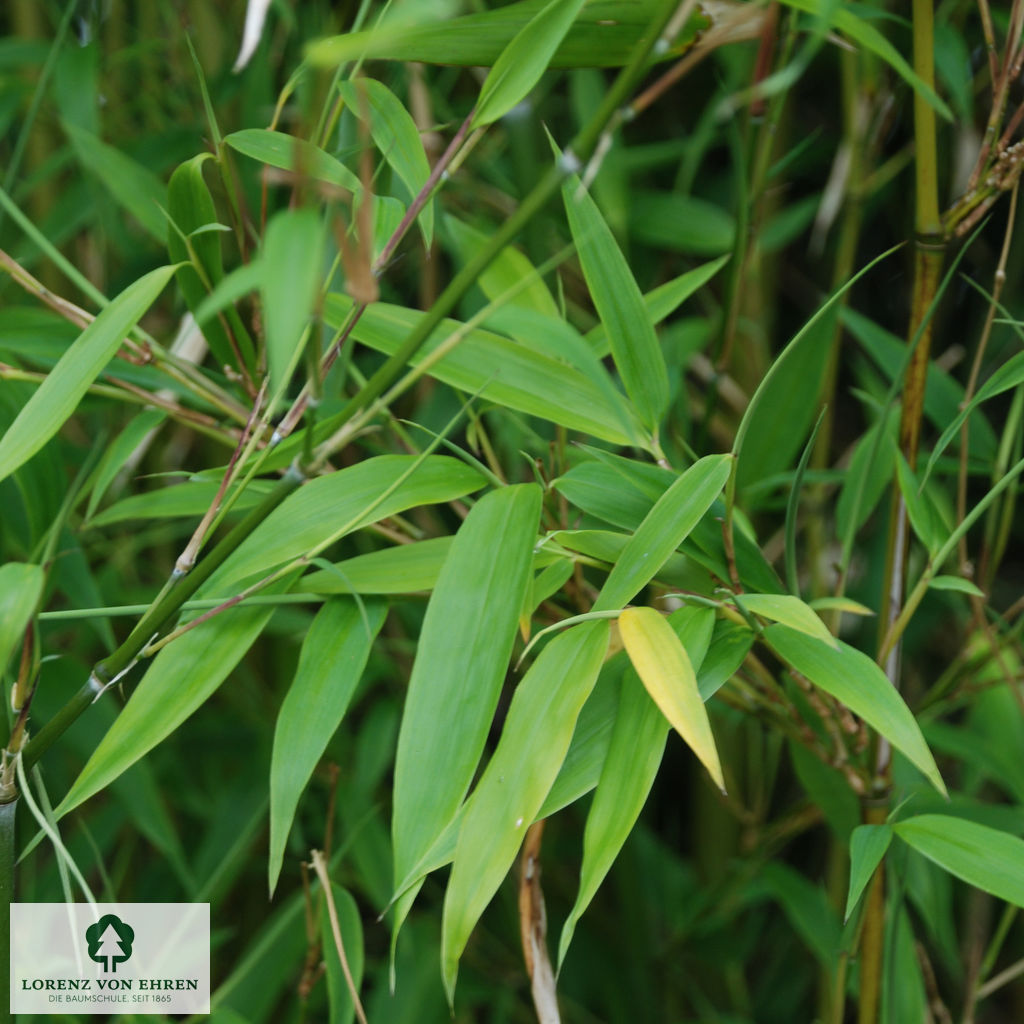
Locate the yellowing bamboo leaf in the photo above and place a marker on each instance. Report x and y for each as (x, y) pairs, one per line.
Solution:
(664, 668)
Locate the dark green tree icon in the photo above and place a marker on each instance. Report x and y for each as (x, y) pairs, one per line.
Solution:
(110, 941)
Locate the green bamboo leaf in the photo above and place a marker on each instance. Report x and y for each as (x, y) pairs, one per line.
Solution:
(288, 153)
(853, 678)
(664, 300)
(533, 745)
(604, 35)
(924, 518)
(21, 586)
(133, 186)
(191, 209)
(788, 610)
(957, 583)
(182, 677)
(341, 1008)
(396, 136)
(619, 305)
(524, 60)
(730, 644)
(984, 857)
(681, 223)
(495, 367)
(463, 654)
(636, 746)
(1010, 375)
(346, 500)
(293, 253)
(664, 528)
(634, 756)
(665, 669)
(334, 654)
(868, 845)
(402, 569)
(188, 498)
(871, 39)
(57, 397)
(508, 270)
(118, 452)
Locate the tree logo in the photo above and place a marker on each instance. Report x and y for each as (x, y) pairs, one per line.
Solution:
(110, 942)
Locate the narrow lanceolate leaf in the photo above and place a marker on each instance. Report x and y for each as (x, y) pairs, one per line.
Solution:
(292, 258)
(524, 60)
(191, 207)
(333, 505)
(396, 136)
(634, 754)
(20, 587)
(665, 669)
(55, 400)
(403, 569)
(334, 654)
(604, 35)
(182, 677)
(868, 844)
(460, 666)
(853, 678)
(620, 306)
(499, 369)
(982, 856)
(663, 529)
(788, 610)
(288, 153)
(533, 745)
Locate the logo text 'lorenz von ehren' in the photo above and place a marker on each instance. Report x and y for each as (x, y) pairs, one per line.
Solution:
(122, 958)
(110, 941)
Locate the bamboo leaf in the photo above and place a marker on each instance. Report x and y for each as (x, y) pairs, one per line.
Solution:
(853, 678)
(402, 569)
(634, 754)
(870, 38)
(182, 677)
(664, 528)
(984, 857)
(21, 586)
(187, 498)
(334, 654)
(1007, 377)
(533, 745)
(664, 300)
(350, 924)
(495, 367)
(396, 136)
(292, 259)
(957, 583)
(603, 35)
(191, 208)
(788, 610)
(133, 186)
(58, 396)
(463, 654)
(346, 500)
(524, 60)
(508, 270)
(868, 844)
(665, 669)
(289, 153)
(118, 452)
(620, 306)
